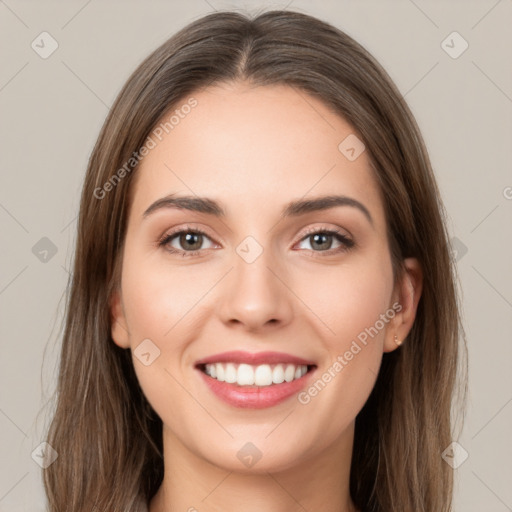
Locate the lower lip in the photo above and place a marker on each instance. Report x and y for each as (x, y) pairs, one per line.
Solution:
(255, 397)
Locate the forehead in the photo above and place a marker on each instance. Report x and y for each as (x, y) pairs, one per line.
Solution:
(253, 148)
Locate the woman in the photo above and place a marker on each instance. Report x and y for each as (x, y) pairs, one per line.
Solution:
(256, 367)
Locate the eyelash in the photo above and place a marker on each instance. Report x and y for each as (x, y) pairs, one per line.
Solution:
(346, 242)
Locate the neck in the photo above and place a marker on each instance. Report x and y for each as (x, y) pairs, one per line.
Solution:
(192, 484)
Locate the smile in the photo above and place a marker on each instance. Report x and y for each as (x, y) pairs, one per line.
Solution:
(257, 380)
(250, 375)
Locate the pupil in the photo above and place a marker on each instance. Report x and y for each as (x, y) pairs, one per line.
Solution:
(319, 239)
(189, 237)
(318, 236)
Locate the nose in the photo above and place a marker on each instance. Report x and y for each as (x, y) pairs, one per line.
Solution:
(256, 295)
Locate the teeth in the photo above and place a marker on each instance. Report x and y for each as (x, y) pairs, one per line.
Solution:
(220, 372)
(230, 373)
(261, 375)
(289, 373)
(245, 375)
(278, 374)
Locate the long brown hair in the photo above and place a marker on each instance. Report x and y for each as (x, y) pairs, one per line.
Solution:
(108, 437)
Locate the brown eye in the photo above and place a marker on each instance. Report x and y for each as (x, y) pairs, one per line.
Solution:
(187, 242)
(322, 240)
(192, 241)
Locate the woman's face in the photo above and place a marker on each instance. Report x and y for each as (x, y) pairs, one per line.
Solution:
(258, 281)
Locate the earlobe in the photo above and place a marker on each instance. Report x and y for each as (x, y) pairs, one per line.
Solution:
(118, 329)
(407, 293)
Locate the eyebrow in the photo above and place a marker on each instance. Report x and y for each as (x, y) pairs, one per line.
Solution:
(292, 209)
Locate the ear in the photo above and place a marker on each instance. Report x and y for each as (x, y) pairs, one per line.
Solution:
(406, 296)
(118, 329)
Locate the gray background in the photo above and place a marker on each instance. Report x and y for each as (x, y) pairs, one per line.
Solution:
(51, 113)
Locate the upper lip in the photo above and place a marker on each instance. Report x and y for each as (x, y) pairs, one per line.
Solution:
(255, 358)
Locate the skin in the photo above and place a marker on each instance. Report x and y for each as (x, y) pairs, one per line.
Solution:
(254, 149)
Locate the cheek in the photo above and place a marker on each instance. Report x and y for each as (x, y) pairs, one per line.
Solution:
(362, 306)
(355, 305)
(357, 309)
(348, 299)
(156, 302)
(157, 298)
(163, 305)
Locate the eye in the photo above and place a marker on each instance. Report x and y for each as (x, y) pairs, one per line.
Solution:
(189, 239)
(322, 240)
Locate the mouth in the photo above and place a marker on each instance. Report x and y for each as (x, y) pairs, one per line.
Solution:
(256, 381)
(255, 375)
